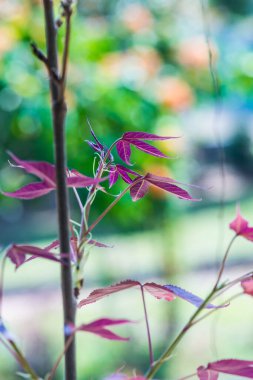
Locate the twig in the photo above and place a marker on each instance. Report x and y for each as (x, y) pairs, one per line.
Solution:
(56, 365)
(67, 13)
(39, 53)
(23, 362)
(222, 267)
(151, 356)
(42, 57)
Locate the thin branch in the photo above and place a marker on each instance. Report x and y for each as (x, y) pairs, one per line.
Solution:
(92, 191)
(167, 353)
(222, 267)
(39, 53)
(8, 348)
(67, 13)
(56, 365)
(23, 362)
(151, 356)
(93, 225)
(213, 310)
(42, 57)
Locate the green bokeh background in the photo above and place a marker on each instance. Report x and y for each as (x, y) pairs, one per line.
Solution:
(135, 66)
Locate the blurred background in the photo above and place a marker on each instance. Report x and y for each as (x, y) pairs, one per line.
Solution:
(135, 66)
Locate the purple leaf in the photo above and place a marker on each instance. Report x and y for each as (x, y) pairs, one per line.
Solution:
(100, 146)
(93, 146)
(247, 285)
(166, 292)
(17, 254)
(80, 180)
(241, 226)
(235, 367)
(46, 172)
(206, 374)
(159, 291)
(136, 139)
(31, 191)
(147, 148)
(56, 244)
(103, 292)
(42, 170)
(139, 190)
(187, 296)
(113, 176)
(168, 185)
(98, 244)
(144, 136)
(124, 173)
(99, 327)
(124, 151)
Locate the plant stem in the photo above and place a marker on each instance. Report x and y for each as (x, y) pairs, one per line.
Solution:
(90, 198)
(153, 369)
(68, 343)
(23, 362)
(93, 225)
(59, 114)
(151, 357)
(151, 372)
(221, 270)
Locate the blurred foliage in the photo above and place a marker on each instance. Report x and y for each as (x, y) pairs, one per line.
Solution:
(135, 65)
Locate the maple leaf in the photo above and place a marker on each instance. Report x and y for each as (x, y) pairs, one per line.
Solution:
(235, 367)
(116, 171)
(18, 254)
(136, 139)
(99, 327)
(97, 145)
(140, 189)
(46, 172)
(241, 226)
(247, 285)
(166, 292)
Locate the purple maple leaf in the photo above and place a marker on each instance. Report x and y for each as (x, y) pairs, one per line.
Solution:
(97, 146)
(117, 171)
(46, 172)
(136, 139)
(243, 368)
(18, 254)
(166, 292)
(99, 327)
(247, 285)
(241, 226)
(55, 244)
(142, 185)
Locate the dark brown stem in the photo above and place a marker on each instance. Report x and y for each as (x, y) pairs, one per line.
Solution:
(59, 114)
